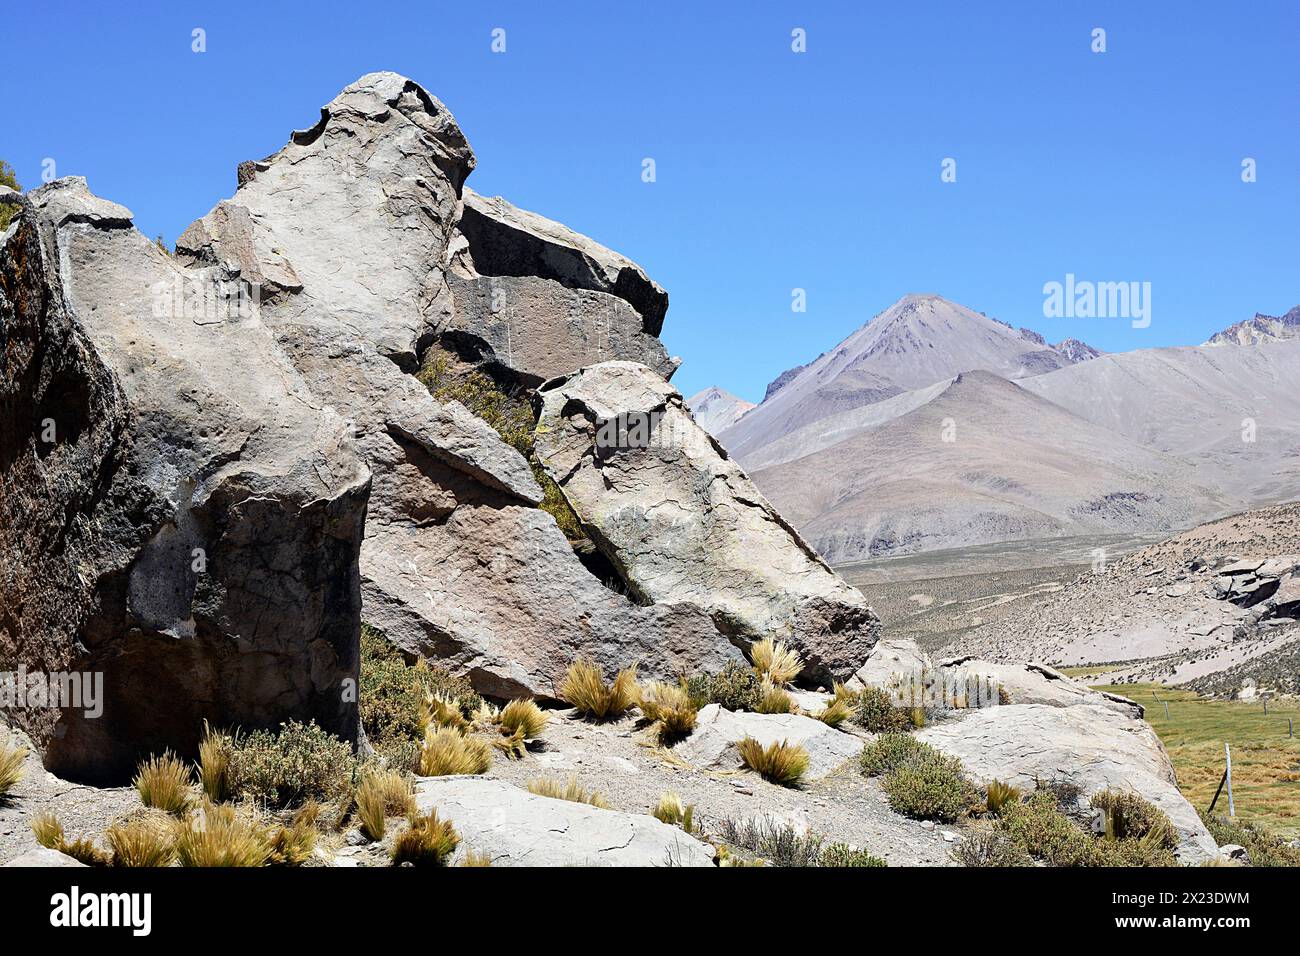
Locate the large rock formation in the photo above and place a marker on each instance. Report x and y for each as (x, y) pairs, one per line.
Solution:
(177, 512)
(681, 521)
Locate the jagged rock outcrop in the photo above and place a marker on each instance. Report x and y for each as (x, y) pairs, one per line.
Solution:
(177, 513)
(536, 299)
(516, 828)
(682, 523)
(458, 562)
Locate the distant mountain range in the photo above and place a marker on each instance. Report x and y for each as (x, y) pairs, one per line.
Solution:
(934, 426)
(1262, 328)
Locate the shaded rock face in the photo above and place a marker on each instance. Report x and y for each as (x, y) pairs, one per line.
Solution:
(535, 299)
(176, 512)
(351, 228)
(682, 523)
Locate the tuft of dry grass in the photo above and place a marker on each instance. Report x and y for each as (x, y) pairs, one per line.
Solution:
(219, 836)
(473, 858)
(780, 762)
(437, 710)
(671, 811)
(11, 765)
(525, 716)
(836, 712)
(773, 660)
(49, 833)
(164, 783)
(998, 796)
(585, 689)
(773, 699)
(382, 794)
(214, 763)
(669, 707)
(293, 845)
(426, 841)
(147, 841)
(447, 751)
(571, 791)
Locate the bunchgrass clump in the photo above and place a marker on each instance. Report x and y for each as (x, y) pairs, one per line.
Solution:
(147, 841)
(475, 859)
(773, 699)
(525, 716)
(670, 810)
(874, 711)
(214, 763)
(299, 763)
(841, 855)
(49, 833)
(836, 712)
(999, 795)
(571, 791)
(218, 835)
(48, 830)
(990, 847)
(1131, 817)
(292, 845)
(11, 765)
(392, 692)
(780, 761)
(447, 751)
(669, 708)
(585, 689)
(383, 793)
(773, 660)
(426, 841)
(164, 784)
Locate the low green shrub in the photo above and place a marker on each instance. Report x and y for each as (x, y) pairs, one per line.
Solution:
(929, 786)
(300, 762)
(393, 692)
(991, 847)
(888, 751)
(875, 712)
(843, 855)
(735, 687)
(1263, 847)
(772, 840)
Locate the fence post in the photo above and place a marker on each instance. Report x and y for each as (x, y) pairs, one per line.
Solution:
(1227, 754)
(1166, 703)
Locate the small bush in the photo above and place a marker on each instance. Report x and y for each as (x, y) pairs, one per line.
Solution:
(143, 842)
(998, 795)
(780, 762)
(843, 855)
(734, 688)
(219, 836)
(585, 689)
(929, 786)
(773, 840)
(383, 793)
(669, 707)
(1044, 832)
(214, 763)
(774, 699)
(11, 764)
(476, 859)
(164, 784)
(439, 711)
(571, 791)
(49, 833)
(990, 848)
(1264, 848)
(1129, 816)
(875, 712)
(447, 751)
(391, 692)
(426, 841)
(523, 715)
(888, 751)
(773, 660)
(302, 762)
(670, 810)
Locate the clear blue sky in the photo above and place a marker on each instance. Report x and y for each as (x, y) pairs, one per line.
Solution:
(775, 170)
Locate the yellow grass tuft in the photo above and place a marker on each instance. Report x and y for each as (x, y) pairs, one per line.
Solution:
(214, 763)
(472, 858)
(293, 845)
(426, 841)
(448, 751)
(219, 836)
(439, 711)
(145, 841)
(671, 811)
(783, 763)
(164, 783)
(11, 765)
(571, 791)
(586, 690)
(670, 707)
(523, 716)
(998, 796)
(773, 660)
(49, 833)
(382, 794)
(773, 699)
(836, 712)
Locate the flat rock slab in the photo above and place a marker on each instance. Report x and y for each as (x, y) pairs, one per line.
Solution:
(1091, 746)
(717, 731)
(42, 857)
(518, 828)
(1038, 684)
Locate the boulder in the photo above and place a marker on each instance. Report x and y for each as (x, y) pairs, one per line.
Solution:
(712, 744)
(177, 512)
(681, 522)
(892, 660)
(516, 828)
(350, 228)
(44, 857)
(1092, 746)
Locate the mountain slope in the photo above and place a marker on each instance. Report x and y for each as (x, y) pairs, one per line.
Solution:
(1017, 467)
(1198, 403)
(1262, 328)
(918, 341)
(715, 409)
